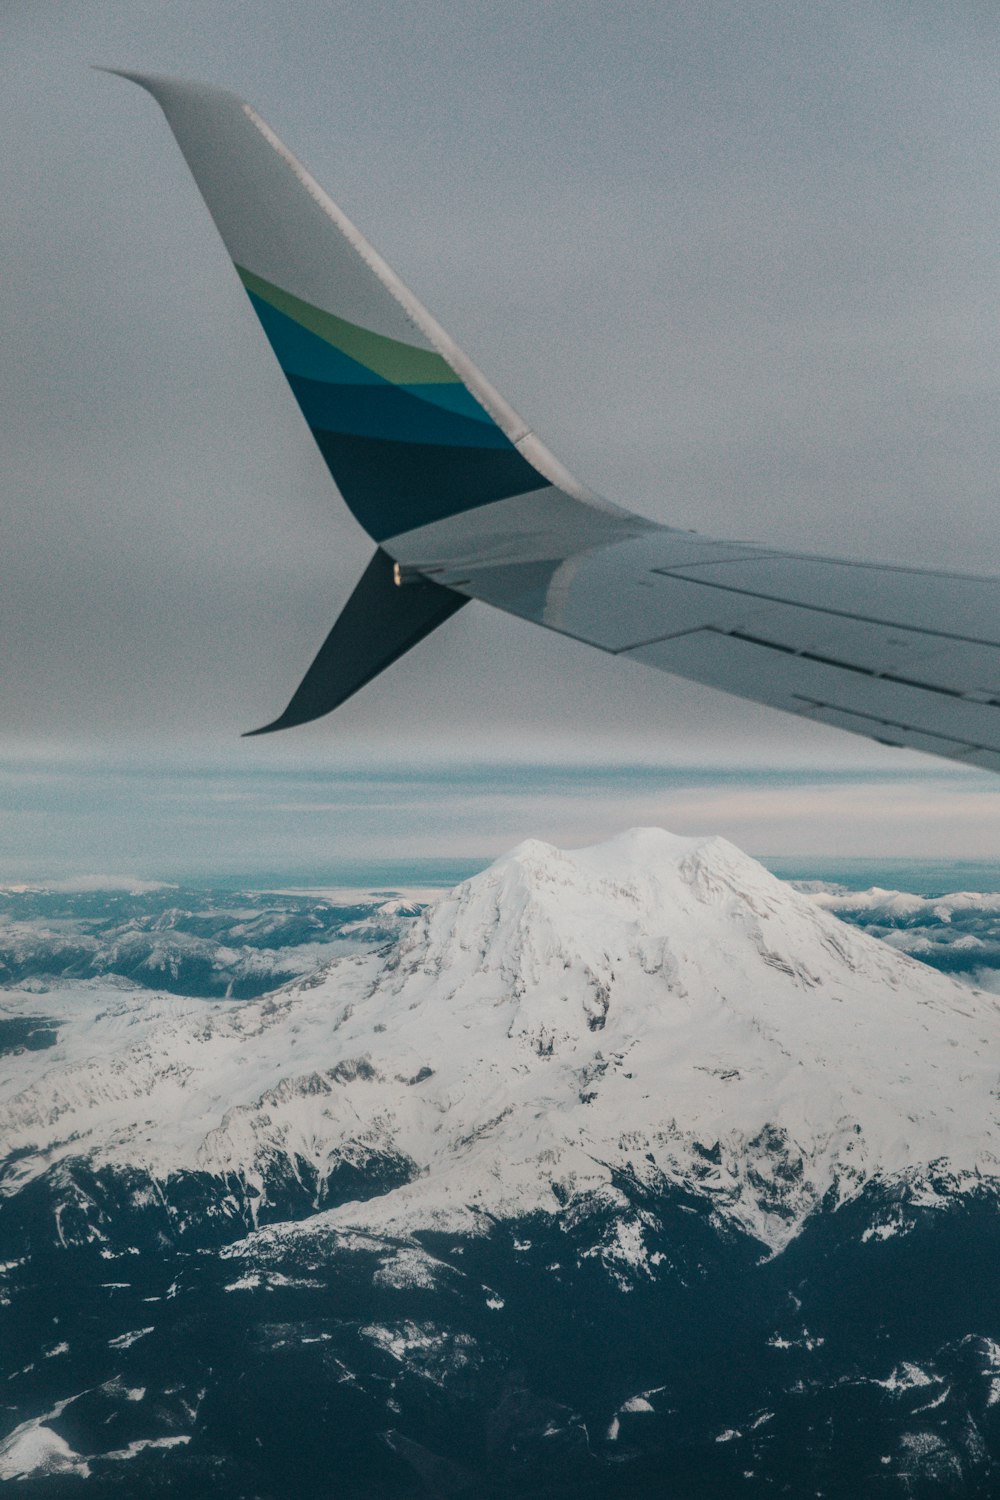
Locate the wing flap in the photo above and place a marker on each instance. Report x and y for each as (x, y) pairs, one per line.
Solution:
(913, 714)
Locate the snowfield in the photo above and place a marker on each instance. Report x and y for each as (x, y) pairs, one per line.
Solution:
(655, 1008)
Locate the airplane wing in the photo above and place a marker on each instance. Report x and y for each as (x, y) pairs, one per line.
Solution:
(465, 502)
(902, 656)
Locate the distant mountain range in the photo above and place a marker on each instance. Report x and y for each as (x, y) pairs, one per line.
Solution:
(184, 940)
(620, 1171)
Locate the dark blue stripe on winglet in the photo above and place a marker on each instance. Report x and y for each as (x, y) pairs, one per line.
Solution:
(388, 411)
(393, 487)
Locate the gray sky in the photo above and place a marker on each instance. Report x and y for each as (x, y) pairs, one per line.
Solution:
(737, 263)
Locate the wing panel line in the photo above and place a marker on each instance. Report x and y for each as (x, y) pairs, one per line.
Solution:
(822, 609)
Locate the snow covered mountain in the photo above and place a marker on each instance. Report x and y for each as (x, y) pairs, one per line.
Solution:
(654, 1006)
(631, 1154)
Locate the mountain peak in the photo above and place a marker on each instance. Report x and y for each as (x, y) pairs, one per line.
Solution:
(642, 848)
(645, 898)
(650, 862)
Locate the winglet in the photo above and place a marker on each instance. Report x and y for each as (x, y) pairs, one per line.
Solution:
(378, 624)
(411, 431)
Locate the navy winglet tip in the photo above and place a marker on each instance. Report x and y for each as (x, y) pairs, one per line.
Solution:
(249, 734)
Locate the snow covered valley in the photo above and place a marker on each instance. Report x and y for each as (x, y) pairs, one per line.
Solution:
(620, 1171)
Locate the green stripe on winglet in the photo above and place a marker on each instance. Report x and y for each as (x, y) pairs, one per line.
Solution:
(390, 358)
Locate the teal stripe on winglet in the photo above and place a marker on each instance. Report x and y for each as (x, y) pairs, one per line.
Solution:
(305, 356)
(300, 352)
(393, 359)
(452, 398)
(389, 412)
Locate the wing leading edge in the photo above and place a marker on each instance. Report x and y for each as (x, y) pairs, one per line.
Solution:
(466, 503)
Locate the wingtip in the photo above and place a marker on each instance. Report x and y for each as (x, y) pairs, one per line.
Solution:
(142, 79)
(249, 734)
(164, 87)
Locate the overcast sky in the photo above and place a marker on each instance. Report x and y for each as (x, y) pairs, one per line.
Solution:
(736, 263)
